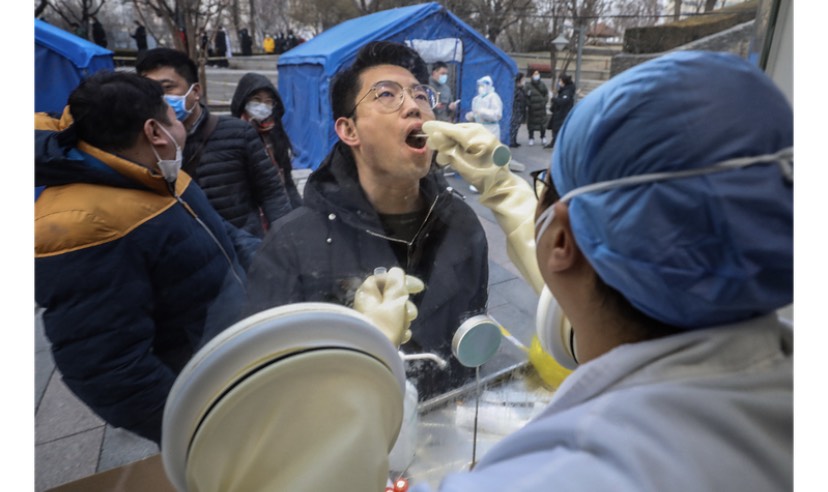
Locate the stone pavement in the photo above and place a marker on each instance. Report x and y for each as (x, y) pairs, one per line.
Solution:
(71, 442)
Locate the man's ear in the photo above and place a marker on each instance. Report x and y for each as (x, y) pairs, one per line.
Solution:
(154, 134)
(563, 251)
(197, 91)
(346, 131)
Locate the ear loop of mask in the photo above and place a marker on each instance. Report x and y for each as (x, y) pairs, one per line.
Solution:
(554, 331)
(169, 167)
(782, 158)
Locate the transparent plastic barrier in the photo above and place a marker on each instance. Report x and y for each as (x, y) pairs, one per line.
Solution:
(445, 424)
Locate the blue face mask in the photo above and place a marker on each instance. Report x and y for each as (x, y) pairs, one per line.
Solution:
(443, 78)
(179, 104)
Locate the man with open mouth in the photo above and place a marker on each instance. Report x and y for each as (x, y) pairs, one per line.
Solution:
(377, 201)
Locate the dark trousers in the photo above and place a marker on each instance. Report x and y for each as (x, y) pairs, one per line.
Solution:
(542, 133)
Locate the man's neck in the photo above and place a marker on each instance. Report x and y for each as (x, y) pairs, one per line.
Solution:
(390, 195)
(191, 120)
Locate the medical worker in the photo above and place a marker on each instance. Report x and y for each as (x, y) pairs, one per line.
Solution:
(487, 108)
(664, 232)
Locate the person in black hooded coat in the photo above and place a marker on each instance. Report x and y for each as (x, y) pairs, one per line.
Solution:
(324, 250)
(560, 106)
(257, 89)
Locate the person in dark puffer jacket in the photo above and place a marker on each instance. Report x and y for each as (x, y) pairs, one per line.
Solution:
(223, 154)
(257, 101)
(134, 270)
(376, 201)
(537, 95)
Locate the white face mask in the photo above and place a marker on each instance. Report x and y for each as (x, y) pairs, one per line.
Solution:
(169, 167)
(554, 331)
(536, 77)
(482, 90)
(259, 111)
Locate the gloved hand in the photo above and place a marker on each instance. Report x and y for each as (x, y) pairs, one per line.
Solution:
(470, 116)
(468, 148)
(383, 298)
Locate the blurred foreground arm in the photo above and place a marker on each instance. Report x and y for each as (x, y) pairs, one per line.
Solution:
(468, 147)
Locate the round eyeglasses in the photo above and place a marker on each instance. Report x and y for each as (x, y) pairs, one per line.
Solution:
(391, 95)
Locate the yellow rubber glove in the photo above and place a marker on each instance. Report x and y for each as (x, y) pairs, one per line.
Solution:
(468, 148)
(383, 298)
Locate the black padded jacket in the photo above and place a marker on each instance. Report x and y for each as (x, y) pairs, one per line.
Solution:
(322, 251)
(236, 174)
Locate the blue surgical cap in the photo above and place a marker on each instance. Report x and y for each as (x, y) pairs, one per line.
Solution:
(697, 251)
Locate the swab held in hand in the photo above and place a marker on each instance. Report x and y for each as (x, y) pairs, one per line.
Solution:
(501, 155)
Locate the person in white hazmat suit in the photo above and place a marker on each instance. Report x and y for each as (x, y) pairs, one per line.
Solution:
(663, 230)
(487, 108)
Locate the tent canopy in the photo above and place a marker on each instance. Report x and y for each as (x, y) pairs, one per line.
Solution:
(62, 60)
(305, 72)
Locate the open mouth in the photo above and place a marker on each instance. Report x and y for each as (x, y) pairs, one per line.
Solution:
(416, 139)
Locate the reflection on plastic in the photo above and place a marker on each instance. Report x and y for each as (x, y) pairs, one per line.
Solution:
(403, 452)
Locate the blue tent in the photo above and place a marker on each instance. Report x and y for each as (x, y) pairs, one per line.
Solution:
(305, 72)
(62, 60)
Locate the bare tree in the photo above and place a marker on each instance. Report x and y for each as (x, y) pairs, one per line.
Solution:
(636, 13)
(491, 17)
(41, 7)
(187, 17)
(75, 13)
(321, 15)
(235, 14)
(368, 6)
(251, 23)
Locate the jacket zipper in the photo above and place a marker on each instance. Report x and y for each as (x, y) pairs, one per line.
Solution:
(408, 244)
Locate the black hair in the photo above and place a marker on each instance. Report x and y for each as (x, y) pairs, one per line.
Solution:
(109, 109)
(346, 85)
(643, 326)
(646, 327)
(519, 77)
(167, 57)
(566, 79)
(438, 65)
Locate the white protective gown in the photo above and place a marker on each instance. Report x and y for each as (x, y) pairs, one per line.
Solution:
(700, 411)
(488, 110)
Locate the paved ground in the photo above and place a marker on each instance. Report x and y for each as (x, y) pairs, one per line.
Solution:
(71, 442)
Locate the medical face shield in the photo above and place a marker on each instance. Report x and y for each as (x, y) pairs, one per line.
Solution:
(554, 330)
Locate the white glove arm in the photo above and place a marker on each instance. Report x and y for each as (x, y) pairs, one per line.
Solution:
(468, 148)
(383, 297)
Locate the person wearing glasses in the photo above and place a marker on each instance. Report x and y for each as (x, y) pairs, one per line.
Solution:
(663, 231)
(377, 201)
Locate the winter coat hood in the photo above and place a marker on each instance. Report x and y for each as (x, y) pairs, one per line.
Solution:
(248, 85)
